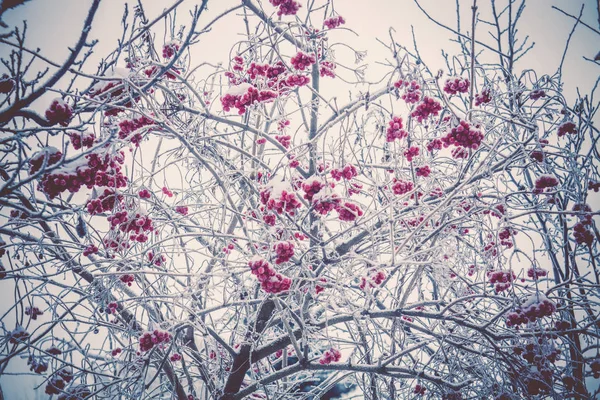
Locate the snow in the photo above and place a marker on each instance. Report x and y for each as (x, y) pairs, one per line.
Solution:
(535, 299)
(240, 89)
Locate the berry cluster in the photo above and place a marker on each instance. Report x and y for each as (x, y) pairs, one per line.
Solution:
(456, 85)
(104, 202)
(500, 211)
(116, 352)
(7, 84)
(18, 335)
(329, 356)
(59, 380)
(423, 171)
(292, 81)
(483, 98)
(373, 279)
(281, 201)
(301, 61)
(112, 307)
(326, 69)
(537, 155)
(537, 94)
(545, 182)
(348, 172)
(49, 155)
(127, 279)
(283, 124)
(562, 325)
(582, 234)
(505, 236)
(82, 140)
(59, 112)
(536, 273)
(183, 210)
(156, 259)
(284, 140)
(284, 251)
(144, 194)
(420, 390)
(334, 22)
(105, 91)
(251, 96)
(319, 288)
(286, 7)
(33, 312)
(428, 107)
(348, 211)
(412, 90)
(541, 356)
(150, 339)
(37, 365)
(411, 153)
(89, 250)
(169, 49)
(536, 307)
(99, 171)
(435, 144)
(271, 281)
(394, 130)
(595, 186)
(311, 187)
(459, 152)
(154, 70)
(567, 127)
(324, 204)
(401, 187)
(136, 225)
(502, 279)
(354, 188)
(128, 129)
(176, 357)
(463, 135)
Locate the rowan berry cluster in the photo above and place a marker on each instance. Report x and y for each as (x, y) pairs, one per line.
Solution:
(373, 279)
(545, 182)
(59, 112)
(401, 187)
(329, 356)
(302, 61)
(348, 172)
(286, 7)
(150, 339)
(501, 279)
(428, 107)
(463, 135)
(412, 90)
(531, 310)
(456, 85)
(284, 251)
(282, 201)
(82, 140)
(348, 211)
(334, 22)
(567, 128)
(395, 131)
(271, 281)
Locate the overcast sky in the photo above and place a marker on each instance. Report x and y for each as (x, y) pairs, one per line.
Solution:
(53, 25)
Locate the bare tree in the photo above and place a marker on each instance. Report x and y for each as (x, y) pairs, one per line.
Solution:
(177, 229)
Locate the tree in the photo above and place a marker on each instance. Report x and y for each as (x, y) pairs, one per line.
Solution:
(179, 229)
